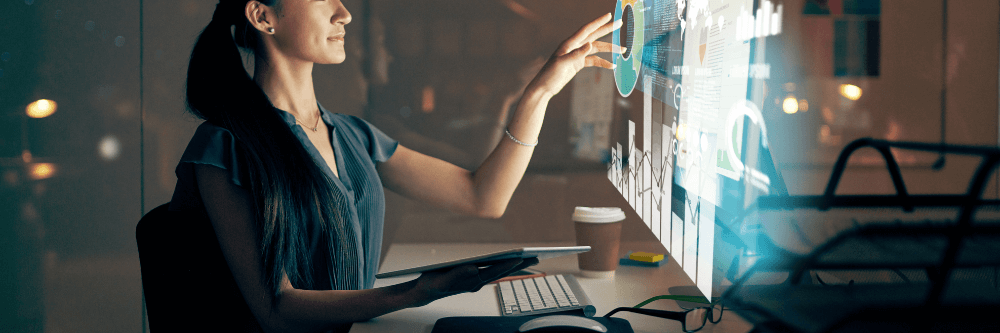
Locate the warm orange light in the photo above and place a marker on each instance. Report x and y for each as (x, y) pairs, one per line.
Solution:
(681, 132)
(42, 170)
(41, 108)
(803, 105)
(791, 105)
(428, 100)
(850, 91)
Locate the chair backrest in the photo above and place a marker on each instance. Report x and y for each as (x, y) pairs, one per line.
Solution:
(187, 283)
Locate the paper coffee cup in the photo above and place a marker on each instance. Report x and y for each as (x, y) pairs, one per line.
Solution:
(600, 228)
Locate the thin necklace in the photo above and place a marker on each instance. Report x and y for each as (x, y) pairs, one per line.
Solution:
(314, 128)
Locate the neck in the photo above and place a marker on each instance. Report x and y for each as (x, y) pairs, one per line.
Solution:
(289, 86)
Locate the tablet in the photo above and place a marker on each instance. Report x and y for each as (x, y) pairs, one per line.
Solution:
(493, 258)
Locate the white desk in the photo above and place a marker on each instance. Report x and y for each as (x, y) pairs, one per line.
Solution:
(630, 286)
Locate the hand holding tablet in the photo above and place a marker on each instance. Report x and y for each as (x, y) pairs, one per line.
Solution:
(493, 259)
(471, 274)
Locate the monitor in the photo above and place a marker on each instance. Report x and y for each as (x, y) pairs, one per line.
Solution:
(699, 156)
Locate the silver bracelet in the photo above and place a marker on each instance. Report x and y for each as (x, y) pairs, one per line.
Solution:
(519, 141)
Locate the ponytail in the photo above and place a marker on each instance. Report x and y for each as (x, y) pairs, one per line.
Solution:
(287, 187)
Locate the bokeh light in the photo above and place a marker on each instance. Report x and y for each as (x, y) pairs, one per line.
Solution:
(803, 105)
(428, 100)
(681, 132)
(11, 178)
(41, 108)
(791, 105)
(850, 91)
(109, 148)
(38, 171)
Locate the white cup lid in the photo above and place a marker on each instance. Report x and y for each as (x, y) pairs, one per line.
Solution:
(598, 214)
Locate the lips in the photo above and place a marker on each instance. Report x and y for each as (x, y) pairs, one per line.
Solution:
(338, 37)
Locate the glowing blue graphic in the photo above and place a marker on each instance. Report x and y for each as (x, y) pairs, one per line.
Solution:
(630, 36)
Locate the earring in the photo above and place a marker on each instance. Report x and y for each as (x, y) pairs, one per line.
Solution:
(270, 30)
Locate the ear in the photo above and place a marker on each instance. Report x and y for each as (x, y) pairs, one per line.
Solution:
(260, 16)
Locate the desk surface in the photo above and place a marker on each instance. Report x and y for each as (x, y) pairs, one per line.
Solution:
(630, 286)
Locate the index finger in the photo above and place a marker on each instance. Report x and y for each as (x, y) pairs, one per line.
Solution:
(587, 30)
(603, 30)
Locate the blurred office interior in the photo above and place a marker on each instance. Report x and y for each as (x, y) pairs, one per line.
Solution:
(93, 121)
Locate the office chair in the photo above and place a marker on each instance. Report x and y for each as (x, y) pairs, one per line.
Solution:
(187, 284)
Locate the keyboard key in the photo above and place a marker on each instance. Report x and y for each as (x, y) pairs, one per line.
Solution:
(554, 283)
(507, 294)
(565, 286)
(536, 295)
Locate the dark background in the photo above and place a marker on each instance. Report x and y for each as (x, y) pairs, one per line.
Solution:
(68, 260)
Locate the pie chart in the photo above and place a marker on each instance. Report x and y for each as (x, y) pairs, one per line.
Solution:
(630, 36)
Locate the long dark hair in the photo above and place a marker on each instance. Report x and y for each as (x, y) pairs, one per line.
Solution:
(287, 187)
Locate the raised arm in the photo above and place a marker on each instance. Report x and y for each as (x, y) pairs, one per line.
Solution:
(487, 191)
(300, 310)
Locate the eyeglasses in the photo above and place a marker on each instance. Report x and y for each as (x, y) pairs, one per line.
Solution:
(692, 320)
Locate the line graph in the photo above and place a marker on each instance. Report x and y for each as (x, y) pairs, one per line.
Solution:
(648, 175)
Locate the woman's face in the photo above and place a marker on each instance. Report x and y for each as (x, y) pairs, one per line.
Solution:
(312, 30)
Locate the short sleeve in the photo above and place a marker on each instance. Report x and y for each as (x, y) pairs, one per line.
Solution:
(380, 146)
(210, 145)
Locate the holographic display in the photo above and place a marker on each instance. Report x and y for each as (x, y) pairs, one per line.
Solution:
(703, 155)
(630, 36)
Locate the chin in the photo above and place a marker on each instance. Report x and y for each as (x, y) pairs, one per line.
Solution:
(333, 60)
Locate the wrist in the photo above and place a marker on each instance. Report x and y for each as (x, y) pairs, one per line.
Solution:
(537, 94)
(414, 295)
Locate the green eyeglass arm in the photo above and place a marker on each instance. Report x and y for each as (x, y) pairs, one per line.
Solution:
(679, 316)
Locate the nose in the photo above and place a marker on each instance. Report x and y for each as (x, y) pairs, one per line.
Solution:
(341, 15)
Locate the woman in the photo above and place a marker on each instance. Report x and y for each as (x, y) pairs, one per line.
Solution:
(294, 192)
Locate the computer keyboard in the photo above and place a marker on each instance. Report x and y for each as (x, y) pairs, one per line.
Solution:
(546, 294)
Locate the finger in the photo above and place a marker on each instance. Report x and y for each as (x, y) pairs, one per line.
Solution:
(461, 273)
(500, 270)
(595, 61)
(581, 51)
(603, 30)
(600, 47)
(581, 35)
(527, 263)
(524, 264)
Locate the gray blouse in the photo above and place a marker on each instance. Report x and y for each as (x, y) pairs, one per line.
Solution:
(358, 147)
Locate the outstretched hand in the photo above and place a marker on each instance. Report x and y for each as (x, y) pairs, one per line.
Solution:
(434, 285)
(575, 53)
